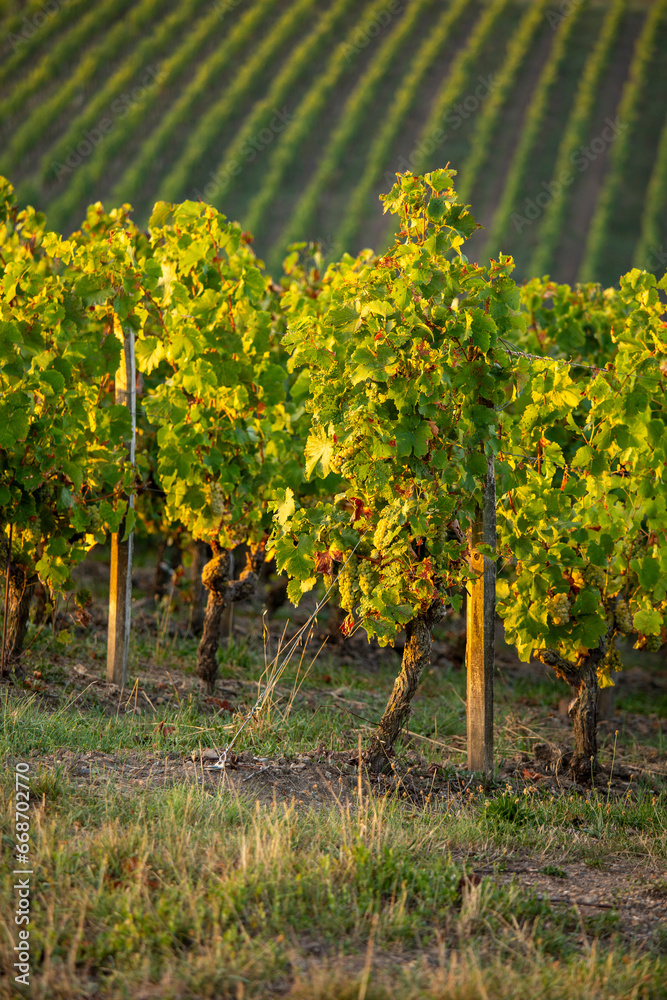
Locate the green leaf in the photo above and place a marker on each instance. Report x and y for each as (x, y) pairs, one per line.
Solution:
(437, 208)
(587, 602)
(93, 289)
(254, 281)
(342, 316)
(286, 508)
(149, 353)
(482, 329)
(294, 592)
(649, 573)
(582, 457)
(54, 380)
(477, 464)
(319, 452)
(297, 560)
(647, 621)
(57, 546)
(14, 425)
(161, 216)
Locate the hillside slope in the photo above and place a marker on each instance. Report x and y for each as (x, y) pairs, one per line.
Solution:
(293, 115)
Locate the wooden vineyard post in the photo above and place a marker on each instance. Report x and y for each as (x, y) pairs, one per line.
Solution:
(120, 587)
(480, 629)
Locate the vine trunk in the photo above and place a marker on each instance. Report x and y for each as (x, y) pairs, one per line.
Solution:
(221, 593)
(21, 586)
(416, 656)
(583, 679)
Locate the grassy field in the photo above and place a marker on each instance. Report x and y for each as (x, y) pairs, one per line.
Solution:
(293, 117)
(290, 873)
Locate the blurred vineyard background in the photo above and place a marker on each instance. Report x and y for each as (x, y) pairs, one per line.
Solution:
(291, 116)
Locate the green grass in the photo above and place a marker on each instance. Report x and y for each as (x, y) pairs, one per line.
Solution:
(190, 893)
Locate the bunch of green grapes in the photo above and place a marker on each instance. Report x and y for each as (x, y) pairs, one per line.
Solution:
(347, 455)
(385, 525)
(637, 545)
(612, 661)
(558, 607)
(610, 665)
(348, 585)
(344, 455)
(653, 643)
(595, 576)
(623, 618)
(367, 578)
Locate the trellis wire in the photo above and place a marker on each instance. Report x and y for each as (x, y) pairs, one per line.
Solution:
(570, 364)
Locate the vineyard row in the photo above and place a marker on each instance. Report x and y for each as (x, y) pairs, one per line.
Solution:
(389, 426)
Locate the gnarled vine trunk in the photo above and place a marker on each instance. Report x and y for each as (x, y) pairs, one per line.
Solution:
(221, 592)
(583, 710)
(21, 587)
(416, 656)
(215, 577)
(584, 714)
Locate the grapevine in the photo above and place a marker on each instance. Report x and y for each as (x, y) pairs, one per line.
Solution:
(596, 507)
(410, 343)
